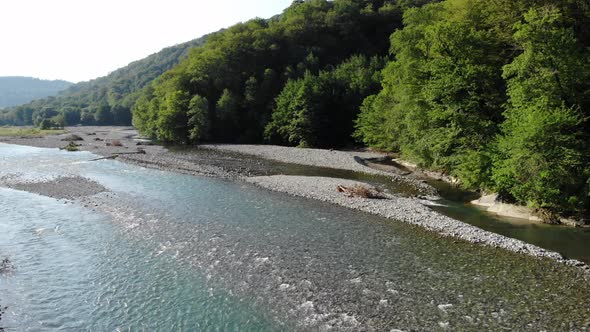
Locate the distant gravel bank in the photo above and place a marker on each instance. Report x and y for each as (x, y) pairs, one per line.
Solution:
(214, 160)
(311, 157)
(346, 160)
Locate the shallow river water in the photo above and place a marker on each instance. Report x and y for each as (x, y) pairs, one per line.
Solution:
(571, 242)
(164, 251)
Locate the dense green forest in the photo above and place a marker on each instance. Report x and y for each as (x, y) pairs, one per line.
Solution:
(15, 90)
(495, 92)
(297, 79)
(103, 101)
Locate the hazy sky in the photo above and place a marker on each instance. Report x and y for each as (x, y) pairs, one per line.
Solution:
(78, 40)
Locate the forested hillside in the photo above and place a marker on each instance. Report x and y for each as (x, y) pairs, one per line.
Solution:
(494, 92)
(103, 101)
(298, 78)
(19, 90)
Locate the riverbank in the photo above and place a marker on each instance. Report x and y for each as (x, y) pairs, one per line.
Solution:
(216, 160)
(236, 162)
(489, 202)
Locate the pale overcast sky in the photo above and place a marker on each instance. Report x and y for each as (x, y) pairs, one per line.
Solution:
(78, 40)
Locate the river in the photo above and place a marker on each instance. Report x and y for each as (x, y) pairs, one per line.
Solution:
(165, 251)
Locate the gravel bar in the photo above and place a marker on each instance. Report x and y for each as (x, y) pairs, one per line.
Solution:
(346, 160)
(63, 187)
(310, 157)
(408, 210)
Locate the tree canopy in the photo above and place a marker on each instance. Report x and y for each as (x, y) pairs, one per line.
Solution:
(495, 93)
(326, 54)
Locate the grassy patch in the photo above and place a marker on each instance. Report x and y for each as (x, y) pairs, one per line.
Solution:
(28, 131)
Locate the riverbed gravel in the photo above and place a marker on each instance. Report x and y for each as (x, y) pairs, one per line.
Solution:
(234, 162)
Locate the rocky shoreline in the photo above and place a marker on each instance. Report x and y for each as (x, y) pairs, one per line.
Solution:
(236, 162)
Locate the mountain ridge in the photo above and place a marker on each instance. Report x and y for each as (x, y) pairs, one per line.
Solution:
(15, 90)
(103, 100)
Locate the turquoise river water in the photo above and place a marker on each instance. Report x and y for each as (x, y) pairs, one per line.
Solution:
(169, 252)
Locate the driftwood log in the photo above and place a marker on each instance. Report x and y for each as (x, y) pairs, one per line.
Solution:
(103, 158)
(360, 191)
(115, 155)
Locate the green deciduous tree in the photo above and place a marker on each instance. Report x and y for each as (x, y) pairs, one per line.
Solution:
(242, 70)
(199, 119)
(103, 115)
(543, 154)
(172, 118)
(319, 110)
(444, 92)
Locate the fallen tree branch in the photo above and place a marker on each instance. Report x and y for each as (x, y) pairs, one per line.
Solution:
(360, 191)
(115, 155)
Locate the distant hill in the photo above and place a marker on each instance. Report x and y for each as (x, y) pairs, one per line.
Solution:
(16, 90)
(105, 100)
